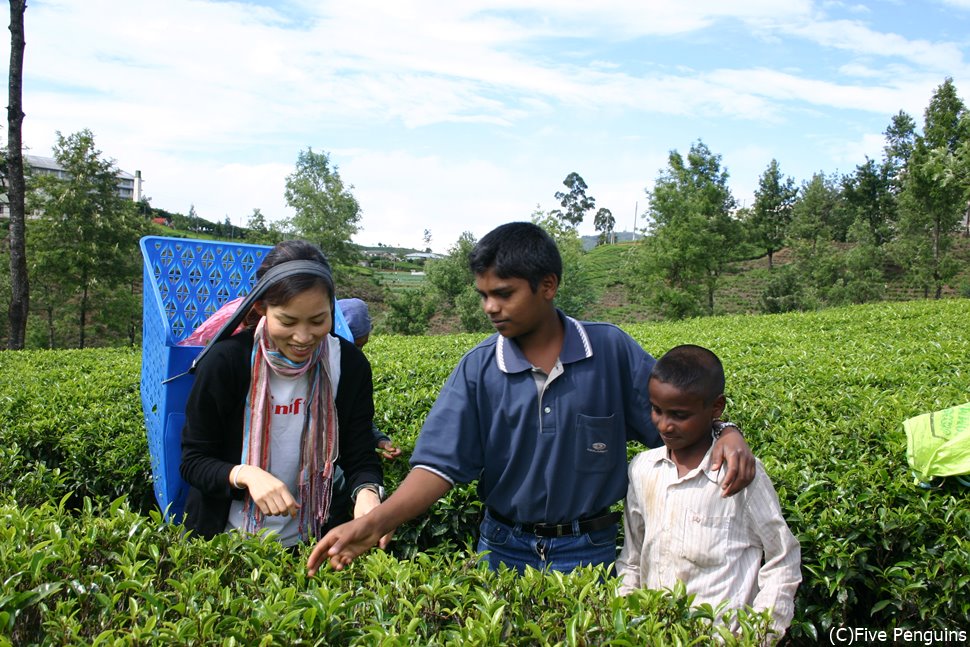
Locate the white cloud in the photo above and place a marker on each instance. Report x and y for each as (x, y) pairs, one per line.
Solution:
(852, 153)
(447, 116)
(854, 36)
(783, 87)
(215, 189)
(402, 194)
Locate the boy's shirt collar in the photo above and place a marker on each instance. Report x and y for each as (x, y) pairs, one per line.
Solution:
(663, 457)
(575, 347)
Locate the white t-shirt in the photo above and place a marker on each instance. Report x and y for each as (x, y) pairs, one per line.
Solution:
(287, 414)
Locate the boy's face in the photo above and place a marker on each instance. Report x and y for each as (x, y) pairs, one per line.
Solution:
(511, 305)
(682, 418)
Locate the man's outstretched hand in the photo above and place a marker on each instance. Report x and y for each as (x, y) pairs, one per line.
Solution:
(345, 542)
(341, 545)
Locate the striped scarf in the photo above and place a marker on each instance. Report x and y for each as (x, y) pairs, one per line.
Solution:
(318, 442)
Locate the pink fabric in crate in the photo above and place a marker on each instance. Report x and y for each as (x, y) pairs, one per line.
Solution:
(211, 326)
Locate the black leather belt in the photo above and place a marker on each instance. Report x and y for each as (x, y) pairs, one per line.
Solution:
(562, 529)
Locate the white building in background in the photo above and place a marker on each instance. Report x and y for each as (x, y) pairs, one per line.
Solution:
(129, 186)
(422, 256)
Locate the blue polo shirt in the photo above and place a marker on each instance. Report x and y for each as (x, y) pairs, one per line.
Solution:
(542, 454)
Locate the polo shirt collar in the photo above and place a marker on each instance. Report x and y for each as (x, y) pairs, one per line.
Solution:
(575, 347)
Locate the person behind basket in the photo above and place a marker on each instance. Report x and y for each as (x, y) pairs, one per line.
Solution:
(274, 409)
(358, 320)
(540, 414)
(679, 528)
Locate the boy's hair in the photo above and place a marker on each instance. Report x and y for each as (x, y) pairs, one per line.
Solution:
(521, 250)
(284, 290)
(690, 368)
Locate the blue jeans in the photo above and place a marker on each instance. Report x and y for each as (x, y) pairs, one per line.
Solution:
(511, 546)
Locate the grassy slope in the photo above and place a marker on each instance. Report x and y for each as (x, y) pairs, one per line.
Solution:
(739, 289)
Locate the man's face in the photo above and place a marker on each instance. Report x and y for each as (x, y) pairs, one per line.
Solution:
(511, 305)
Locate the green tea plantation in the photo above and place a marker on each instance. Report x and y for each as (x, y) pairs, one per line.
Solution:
(86, 559)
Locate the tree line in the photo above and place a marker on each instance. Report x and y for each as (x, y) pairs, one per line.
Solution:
(72, 238)
(84, 272)
(895, 214)
(899, 214)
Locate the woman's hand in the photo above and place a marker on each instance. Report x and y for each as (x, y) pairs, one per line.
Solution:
(269, 493)
(388, 450)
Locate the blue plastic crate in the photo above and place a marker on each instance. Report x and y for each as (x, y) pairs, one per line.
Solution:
(185, 281)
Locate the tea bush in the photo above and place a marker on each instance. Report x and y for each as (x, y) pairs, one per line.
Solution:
(79, 412)
(821, 397)
(109, 576)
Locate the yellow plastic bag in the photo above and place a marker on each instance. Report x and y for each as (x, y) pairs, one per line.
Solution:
(938, 443)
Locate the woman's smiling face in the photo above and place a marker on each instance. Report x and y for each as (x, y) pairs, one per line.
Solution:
(298, 326)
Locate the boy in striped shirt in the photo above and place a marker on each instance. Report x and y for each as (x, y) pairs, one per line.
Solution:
(680, 527)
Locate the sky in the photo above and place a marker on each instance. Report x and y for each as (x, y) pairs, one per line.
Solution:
(462, 115)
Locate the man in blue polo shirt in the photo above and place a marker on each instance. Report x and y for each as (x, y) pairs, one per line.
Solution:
(540, 415)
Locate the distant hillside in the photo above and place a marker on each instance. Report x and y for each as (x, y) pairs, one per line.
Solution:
(385, 249)
(589, 242)
(739, 289)
(166, 223)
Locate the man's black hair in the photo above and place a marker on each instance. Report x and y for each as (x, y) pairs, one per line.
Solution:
(693, 369)
(520, 250)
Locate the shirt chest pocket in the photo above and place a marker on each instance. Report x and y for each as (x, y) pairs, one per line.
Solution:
(599, 446)
(705, 538)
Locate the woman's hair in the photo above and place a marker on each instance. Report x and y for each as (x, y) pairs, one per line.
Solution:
(285, 289)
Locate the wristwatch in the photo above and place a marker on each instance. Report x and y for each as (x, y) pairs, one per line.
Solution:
(720, 425)
(373, 487)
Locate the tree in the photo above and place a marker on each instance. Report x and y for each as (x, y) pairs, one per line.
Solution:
(450, 276)
(900, 140)
(813, 212)
(692, 233)
(575, 203)
(327, 213)
(604, 222)
(933, 202)
(452, 280)
(257, 223)
(944, 123)
(13, 175)
(852, 275)
(82, 241)
(261, 233)
(867, 196)
(934, 196)
(773, 201)
(410, 312)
